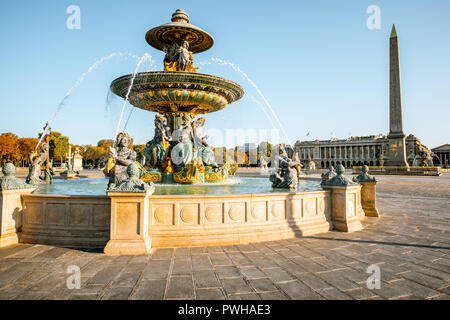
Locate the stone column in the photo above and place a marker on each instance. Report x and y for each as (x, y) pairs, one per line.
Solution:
(129, 223)
(11, 191)
(345, 204)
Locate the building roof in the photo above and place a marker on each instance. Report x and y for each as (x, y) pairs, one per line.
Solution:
(443, 148)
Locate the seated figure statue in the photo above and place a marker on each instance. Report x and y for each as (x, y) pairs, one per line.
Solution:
(36, 161)
(200, 144)
(119, 158)
(182, 137)
(156, 149)
(287, 173)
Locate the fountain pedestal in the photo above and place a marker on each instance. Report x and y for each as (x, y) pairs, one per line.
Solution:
(346, 210)
(345, 207)
(129, 223)
(11, 215)
(368, 196)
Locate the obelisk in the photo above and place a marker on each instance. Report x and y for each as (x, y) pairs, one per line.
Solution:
(396, 151)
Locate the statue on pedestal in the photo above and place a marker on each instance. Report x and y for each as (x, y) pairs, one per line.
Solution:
(263, 163)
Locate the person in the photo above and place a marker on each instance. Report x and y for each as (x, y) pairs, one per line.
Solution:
(122, 157)
(200, 144)
(156, 149)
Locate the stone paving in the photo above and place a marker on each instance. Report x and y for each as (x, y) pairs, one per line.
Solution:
(410, 243)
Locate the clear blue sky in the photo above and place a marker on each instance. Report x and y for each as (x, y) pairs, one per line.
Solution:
(322, 70)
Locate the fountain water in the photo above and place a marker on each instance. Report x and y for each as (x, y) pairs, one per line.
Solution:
(141, 60)
(253, 84)
(77, 84)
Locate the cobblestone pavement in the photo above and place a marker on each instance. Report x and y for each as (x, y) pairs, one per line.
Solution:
(410, 243)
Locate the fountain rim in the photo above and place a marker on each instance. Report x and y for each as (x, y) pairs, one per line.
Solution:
(237, 88)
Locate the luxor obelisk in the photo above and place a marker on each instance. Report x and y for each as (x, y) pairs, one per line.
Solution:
(396, 153)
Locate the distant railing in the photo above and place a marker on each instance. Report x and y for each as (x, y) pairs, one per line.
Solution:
(411, 170)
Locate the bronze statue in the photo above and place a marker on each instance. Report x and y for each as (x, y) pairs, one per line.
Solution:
(200, 145)
(157, 148)
(287, 173)
(182, 137)
(178, 57)
(36, 161)
(119, 158)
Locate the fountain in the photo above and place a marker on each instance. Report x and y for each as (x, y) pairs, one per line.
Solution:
(178, 152)
(180, 196)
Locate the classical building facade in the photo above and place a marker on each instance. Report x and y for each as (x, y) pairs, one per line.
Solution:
(443, 154)
(354, 151)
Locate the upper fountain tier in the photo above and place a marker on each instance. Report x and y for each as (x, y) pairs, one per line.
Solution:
(179, 88)
(179, 30)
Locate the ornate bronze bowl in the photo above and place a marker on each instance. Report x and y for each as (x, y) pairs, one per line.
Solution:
(165, 92)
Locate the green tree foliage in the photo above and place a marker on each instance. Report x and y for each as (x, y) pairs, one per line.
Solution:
(59, 146)
(9, 147)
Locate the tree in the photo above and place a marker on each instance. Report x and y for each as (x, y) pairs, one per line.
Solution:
(265, 148)
(26, 145)
(59, 146)
(105, 143)
(9, 147)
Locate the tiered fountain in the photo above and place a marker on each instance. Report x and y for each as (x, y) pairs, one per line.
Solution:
(178, 152)
(130, 219)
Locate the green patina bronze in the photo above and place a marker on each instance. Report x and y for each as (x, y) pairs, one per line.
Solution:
(132, 183)
(364, 176)
(9, 181)
(339, 179)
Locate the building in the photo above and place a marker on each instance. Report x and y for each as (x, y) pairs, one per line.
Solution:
(395, 149)
(443, 154)
(354, 151)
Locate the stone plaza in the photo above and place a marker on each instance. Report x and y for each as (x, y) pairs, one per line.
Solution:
(410, 243)
(170, 222)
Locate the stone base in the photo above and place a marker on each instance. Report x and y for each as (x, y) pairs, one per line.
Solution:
(347, 226)
(128, 247)
(8, 239)
(371, 212)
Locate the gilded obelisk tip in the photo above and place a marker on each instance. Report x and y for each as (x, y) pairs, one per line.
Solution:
(393, 32)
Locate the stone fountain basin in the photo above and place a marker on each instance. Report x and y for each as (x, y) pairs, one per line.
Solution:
(165, 91)
(184, 220)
